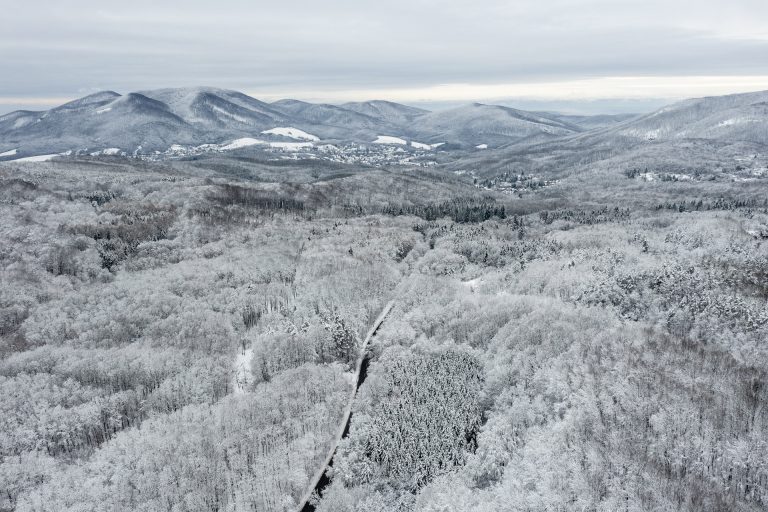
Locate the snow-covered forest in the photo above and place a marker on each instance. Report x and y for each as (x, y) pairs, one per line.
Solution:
(183, 336)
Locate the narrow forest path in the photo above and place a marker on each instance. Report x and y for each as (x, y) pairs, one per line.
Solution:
(243, 375)
(321, 479)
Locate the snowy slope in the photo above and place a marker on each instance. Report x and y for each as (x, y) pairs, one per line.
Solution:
(386, 111)
(742, 117)
(217, 109)
(292, 133)
(388, 139)
(486, 124)
(331, 121)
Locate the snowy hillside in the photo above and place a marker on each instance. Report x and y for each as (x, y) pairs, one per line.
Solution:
(153, 121)
(486, 124)
(733, 117)
(292, 133)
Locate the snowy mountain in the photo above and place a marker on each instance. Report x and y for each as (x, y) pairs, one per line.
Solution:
(331, 121)
(215, 109)
(386, 111)
(156, 120)
(101, 120)
(590, 122)
(742, 117)
(493, 125)
(691, 136)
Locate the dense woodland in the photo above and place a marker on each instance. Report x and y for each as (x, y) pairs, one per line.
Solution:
(182, 337)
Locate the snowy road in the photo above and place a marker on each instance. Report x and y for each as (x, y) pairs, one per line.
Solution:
(320, 479)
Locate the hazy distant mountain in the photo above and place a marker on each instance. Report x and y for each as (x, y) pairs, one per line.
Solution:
(493, 125)
(387, 111)
(718, 119)
(331, 121)
(588, 122)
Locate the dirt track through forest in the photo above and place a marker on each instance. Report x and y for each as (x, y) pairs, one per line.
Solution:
(321, 479)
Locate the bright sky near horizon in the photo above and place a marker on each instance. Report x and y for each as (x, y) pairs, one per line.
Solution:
(414, 51)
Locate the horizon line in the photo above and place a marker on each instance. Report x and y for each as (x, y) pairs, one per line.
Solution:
(587, 90)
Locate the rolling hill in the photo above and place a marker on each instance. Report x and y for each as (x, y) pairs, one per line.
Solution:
(492, 125)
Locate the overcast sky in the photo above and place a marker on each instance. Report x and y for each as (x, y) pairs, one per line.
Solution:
(527, 51)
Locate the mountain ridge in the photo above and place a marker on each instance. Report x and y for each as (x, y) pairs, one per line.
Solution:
(154, 120)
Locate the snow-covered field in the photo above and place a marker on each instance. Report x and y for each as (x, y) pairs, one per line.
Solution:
(108, 152)
(290, 132)
(388, 139)
(248, 141)
(241, 143)
(37, 158)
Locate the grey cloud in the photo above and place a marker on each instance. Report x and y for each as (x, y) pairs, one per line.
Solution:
(73, 47)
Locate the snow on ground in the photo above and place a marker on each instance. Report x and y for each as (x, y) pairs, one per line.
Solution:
(102, 110)
(290, 146)
(37, 158)
(473, 283)
(482, 146)
(9, 153)
(736, 120)
(248, 141)
(649, 135)
(243, 376)
(293, 133)
(108, 151)
(23, 121)
(241, 143)
(229, 114)
(420, 145)
(653, 134)
(177, 149)
(387, 139)
(208, 147)
(435, 146)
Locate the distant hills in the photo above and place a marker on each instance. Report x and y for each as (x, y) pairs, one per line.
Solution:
(742, 117)
(689, 136)
(488, 124)
(155, 120)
